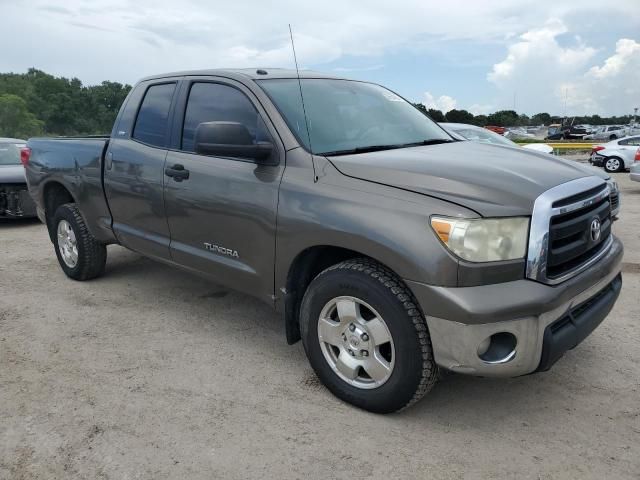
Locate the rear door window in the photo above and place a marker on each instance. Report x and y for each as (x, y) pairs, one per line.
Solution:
(153, 116)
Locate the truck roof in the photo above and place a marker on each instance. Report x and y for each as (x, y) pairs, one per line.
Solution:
(244, 73)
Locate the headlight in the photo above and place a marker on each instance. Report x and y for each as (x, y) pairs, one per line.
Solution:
(483, 239)
(613, 185)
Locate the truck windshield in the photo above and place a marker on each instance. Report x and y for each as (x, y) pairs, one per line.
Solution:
(346, 117)
(10, 153)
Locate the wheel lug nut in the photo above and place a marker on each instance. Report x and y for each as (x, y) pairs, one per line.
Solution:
(352, 327)
(364, 353)
(351, 352)
(364, 337)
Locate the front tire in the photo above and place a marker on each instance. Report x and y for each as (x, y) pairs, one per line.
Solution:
(613, 165)
(80, 255)
(366, 338)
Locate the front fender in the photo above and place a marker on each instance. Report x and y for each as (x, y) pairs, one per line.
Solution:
(387, 224)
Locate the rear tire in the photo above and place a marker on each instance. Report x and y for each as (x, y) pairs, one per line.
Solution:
(613, 164)
(376, 355)
(80, 255)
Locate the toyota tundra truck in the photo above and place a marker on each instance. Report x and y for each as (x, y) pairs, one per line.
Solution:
(391, 249)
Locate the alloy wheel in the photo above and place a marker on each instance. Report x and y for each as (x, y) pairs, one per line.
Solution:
(356, 342)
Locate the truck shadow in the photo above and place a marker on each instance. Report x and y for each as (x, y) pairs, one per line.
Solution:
(6, 223)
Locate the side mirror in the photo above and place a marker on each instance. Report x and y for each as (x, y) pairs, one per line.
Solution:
(231, 139)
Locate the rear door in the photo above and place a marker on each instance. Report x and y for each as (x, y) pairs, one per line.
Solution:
(134, 169)
(222, 218)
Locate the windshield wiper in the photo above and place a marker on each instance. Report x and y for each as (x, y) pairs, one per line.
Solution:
(370, 148)
(377, 148)
(433, 141)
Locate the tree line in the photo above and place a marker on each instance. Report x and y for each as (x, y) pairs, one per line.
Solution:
(37, 103)
(511, 118)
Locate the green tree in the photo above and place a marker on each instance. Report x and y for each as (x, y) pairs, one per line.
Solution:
(15, 119)
(541, 119)
(420, 106)
(65, 106)
(436, 115)
(459, 116)
(481, 120)
(503, 118)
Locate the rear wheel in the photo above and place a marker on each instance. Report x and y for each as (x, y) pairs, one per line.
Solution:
(365, 337)
(80, 255)
(613, 164)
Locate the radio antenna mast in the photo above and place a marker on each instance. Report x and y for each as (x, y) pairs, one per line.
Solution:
(304, 111)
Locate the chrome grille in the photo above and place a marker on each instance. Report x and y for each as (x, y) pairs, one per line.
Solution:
(560, 241)
(570, 236)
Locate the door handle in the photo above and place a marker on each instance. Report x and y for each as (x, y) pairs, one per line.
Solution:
(177, 172)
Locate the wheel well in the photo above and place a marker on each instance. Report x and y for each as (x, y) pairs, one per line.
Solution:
(306, 266)
(55, 194)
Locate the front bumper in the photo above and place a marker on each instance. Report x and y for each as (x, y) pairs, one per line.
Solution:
(543, 320)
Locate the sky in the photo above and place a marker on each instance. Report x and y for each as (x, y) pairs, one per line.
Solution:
(563, 57)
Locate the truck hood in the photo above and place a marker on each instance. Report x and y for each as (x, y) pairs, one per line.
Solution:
(12, 174)
(489, 179)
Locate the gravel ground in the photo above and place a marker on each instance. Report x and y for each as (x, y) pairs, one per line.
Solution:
(152, 373)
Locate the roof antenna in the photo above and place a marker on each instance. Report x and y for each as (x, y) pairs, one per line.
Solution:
(304, 111)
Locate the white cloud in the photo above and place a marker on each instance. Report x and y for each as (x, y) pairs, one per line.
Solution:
(123, 40)
(547, 76)
(481, 109)
(627, 52)
(538, 55)
(444, 103)
(612, 87)
(126, 39)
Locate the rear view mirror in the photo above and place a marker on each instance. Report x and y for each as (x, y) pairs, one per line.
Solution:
(231, 139)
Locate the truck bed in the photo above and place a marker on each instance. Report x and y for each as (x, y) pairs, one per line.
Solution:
(75, 163)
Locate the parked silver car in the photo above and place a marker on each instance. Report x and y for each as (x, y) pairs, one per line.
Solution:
(617, 155)
(14, 196)
(482, 135)
(611, 132)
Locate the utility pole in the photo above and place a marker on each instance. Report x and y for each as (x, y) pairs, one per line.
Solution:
(635, 112)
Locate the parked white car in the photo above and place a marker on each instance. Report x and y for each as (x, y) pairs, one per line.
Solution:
(617, 155)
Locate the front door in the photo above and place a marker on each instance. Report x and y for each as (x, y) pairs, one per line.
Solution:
(222, 211)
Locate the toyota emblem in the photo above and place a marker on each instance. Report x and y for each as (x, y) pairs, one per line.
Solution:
(595, 229)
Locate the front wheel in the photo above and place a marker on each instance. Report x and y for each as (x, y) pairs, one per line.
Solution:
(613, 164)
(366, 338)
(80, 255)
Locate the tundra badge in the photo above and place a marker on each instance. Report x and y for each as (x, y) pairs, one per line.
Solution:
(218, 249)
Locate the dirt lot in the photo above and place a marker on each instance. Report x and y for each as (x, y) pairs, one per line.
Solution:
(149, 372)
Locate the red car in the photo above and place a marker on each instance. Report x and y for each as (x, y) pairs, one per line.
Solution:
(498, 130)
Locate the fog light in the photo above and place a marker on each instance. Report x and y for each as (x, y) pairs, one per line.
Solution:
(498, 348)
